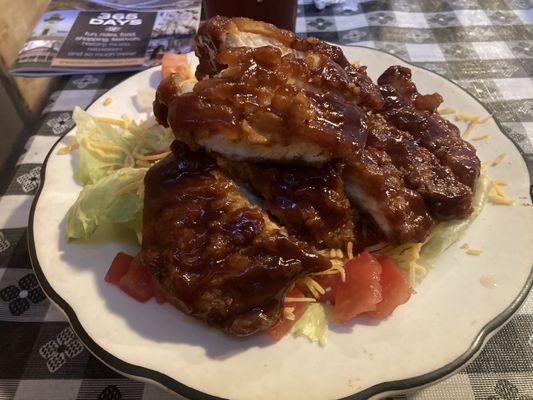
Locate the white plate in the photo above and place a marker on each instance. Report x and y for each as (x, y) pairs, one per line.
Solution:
(441, 328)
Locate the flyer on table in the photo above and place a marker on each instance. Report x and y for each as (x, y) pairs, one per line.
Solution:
(107, 36)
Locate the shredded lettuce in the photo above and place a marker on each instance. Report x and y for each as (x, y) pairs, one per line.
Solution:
(116, 198)
(313, 324)
(449, 232)
(113, 159)
(105, 147)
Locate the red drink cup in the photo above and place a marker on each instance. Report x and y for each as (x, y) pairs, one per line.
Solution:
(281, 13)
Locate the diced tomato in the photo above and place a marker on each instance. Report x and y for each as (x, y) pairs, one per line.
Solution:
(361, 290)
(284, 325)
(329, 283)
(175, 64)
(137, 282)
(118, 268)
(394, 288)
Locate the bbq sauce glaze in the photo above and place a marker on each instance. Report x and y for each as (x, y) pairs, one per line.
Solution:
(216, 256)
(309, 201)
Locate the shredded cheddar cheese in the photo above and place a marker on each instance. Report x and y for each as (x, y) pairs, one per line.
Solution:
(469, 129)
(500, 200)
(313, 286)
(474, 252)
(112, 121)
(497, 195)
(349, 250)
(498, 160)
(498, 190)
(482, 137)
(107, 101)
(467, 117)
(337, 267)
(127, 121)
(473, 121)
(111, 152)
(152, 157)
(447, 110)
(288, 313)
(299, 300)
(500, 182)
(69, 148)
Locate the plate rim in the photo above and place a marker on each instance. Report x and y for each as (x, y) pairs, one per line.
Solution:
(389, 387)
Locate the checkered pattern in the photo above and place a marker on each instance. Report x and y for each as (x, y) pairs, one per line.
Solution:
(484, 45)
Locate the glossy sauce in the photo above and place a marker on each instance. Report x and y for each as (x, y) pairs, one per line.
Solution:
(213, 254)
(309, 202)
(266, 99)
(441, 137)
(445, 196)
(219, 34)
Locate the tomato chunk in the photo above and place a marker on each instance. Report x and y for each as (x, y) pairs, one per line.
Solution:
(137, 282)
(284, 325)
(394, 288)
(175, 64)
(118, 268)
(361, 290)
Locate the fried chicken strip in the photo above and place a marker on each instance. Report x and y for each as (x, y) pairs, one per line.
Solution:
(410, 111)
(219, 34)
(377, 187)
(309, 201)
(266, 106)
(445, 196)
(217, 257)
(212, 117)
(269, 107)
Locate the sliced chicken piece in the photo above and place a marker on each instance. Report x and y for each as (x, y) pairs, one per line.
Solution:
(266, 106)
(410, 111)
(310, 202)
(217, 257)
(278, 98)
(377, 187)
(219, 34)
(446, 197)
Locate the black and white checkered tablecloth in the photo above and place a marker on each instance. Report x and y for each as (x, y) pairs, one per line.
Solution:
(485, 45)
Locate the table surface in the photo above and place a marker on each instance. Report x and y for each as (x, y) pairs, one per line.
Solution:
(485, 46)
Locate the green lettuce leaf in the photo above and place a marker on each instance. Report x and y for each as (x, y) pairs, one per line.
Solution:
(313, 324)
(105, 147)
(449, 232)
(116, 198)
(156, 137)
(96, 163)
